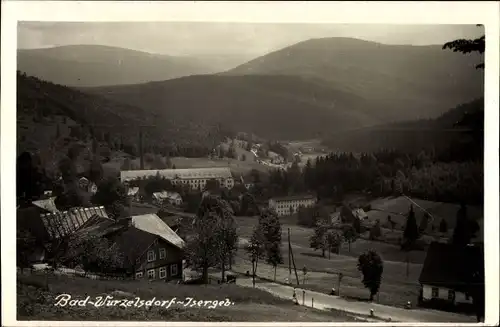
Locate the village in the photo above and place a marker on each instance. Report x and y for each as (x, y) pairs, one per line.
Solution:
(153, 241)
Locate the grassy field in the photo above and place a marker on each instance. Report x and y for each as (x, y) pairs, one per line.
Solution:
(396, 288)
(36, 298)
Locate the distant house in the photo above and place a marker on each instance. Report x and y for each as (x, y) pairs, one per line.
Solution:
(167, 197)
(87, 185)
(348, 215)
(151, 248)
(360, 214)
(448, 274)
(92, 188)
(335, 218)
(84, 183)
(247, 185)
(290, 204)
(47, 193)
(133, 193)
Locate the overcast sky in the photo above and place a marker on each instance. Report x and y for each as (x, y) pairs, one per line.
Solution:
(225, 38)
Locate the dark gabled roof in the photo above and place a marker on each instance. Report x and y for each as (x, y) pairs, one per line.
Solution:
(133, 242)
(453, 267)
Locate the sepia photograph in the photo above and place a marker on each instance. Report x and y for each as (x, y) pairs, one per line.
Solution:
(239, 171)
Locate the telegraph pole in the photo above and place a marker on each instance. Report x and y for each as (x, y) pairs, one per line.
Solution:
(141, 150)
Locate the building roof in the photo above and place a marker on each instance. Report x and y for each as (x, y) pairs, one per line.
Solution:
(47, 204)
(98, 226)
(166, 195)
(153, 224)
(359, 213)
(132, 191)
(190, 173)
(60, 224)
(294, 198)
(451, 267)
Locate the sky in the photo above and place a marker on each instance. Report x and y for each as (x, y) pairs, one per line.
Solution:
(201, 39)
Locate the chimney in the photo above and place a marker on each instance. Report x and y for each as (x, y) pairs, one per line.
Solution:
(141, 150)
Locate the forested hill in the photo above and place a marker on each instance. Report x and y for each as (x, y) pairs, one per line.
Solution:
(50, 115)
(403, 81)
(96, 65)
(457, 133)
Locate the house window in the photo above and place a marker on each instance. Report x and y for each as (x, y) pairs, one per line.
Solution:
(173, 270)
(151, 274)
(163, 272)
(163, 253)
(467, 297)
(151, 255)
(138, 275)
(435, 292)
(451, 295)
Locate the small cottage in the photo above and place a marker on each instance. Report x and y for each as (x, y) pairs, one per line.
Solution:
(166, 197)
(451, 275)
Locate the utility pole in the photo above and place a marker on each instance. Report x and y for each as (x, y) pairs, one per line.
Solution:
(289, 258)
(293, 261)
(141, 150)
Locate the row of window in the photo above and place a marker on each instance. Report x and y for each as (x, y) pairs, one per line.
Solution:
(162, 272)
(152, 254)
(451, 294)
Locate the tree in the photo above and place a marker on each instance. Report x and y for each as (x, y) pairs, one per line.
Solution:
(466, 46)
(29, 177)
(318, 239)
(465, 228)
(410, 234)
(350, 235)
(94, 254)
(375, 231)
(443, 226)
(424, 222)
(112, 195)
(272, 235)
(96, 171)
(214, 236)
(201, 247)
(256, 249)
(334, 241)
(370, 264)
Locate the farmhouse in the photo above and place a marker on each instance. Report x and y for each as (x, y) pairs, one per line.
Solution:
(164, 197)
(449, 274)
(152, 249)
(196, 178)
(290, 204)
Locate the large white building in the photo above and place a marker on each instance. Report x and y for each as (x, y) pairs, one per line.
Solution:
(196, 178)
(290, 204)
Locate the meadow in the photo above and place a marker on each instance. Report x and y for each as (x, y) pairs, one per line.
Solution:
(36, 296)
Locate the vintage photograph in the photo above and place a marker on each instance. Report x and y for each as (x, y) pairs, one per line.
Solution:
(232, 171)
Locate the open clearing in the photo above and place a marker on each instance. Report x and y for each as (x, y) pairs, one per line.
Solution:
(396, 289)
